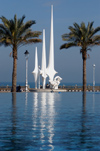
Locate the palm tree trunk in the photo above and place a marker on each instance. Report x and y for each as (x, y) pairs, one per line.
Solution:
(14, 74)
(84, 71)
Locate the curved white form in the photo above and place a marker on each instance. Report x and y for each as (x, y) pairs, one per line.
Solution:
(43, 64)
(50, 69)
(36, 70)
(56, 82)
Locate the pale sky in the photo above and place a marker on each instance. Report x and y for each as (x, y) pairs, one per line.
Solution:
(68, 62)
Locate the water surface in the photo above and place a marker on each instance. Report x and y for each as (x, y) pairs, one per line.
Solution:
(50, 121)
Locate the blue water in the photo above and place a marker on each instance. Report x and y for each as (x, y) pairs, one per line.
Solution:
(50, 121)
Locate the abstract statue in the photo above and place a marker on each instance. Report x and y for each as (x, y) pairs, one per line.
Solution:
(50, 69)
(35, 72)
(55, 82)
(43, 65)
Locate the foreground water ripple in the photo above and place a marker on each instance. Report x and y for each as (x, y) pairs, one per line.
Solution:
(50, 121)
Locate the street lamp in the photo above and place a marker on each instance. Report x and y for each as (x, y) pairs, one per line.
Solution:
(26, 57)
(93, 77)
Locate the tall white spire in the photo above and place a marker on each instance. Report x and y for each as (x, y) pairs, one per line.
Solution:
(50, 69)
(43, 65)
(36, 70)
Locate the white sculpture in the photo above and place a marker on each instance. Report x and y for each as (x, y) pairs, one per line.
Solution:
(55, 82)
(43, 65)
(50, 69)
(36, 70)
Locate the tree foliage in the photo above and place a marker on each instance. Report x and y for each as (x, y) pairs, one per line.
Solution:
(84, 37)
(15, 33)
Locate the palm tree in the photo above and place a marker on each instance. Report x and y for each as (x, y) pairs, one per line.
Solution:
(84, 37)
(15, 33)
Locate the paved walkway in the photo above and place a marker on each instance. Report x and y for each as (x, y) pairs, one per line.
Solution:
(67, 89)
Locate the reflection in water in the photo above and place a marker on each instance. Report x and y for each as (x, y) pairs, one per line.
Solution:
(93, 101)
(51, 113)
(14, 99)
(80, 131)
(85, 133)
(17, 142)
(8, 141)
(35, 95)
(13, 114)
(36, 128)
(43, 118)
(35, 112)
(53, 121)
(26, 97)
(35, 104)
(84, 102)
(26, 104)
(47, 119)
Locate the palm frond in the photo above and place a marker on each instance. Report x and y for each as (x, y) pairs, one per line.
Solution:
(31, 34)
(4, 30)
(20, 21)
(23, 42)
(5, 21)
(77, 27)
(67, 45)
(30, 41)
(16, 32)
(28, 24)
(81, 35)
(96, 30)
(25, 27)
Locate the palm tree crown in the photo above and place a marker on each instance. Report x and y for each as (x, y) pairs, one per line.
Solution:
(15, 33)
(81, 36)
(84, 37)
